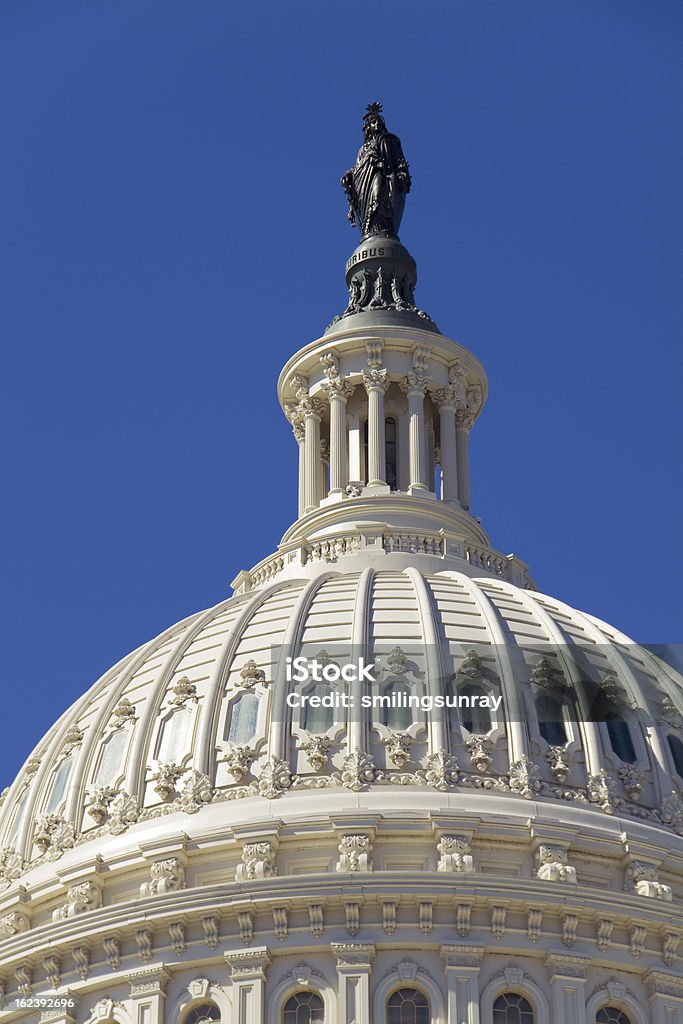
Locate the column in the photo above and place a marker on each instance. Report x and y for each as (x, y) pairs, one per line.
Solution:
(415, 386)
(462, 981)
(148, 994)
(311, 411)
(665, 996)
(324, 463)
(295, 418)
(463, 425)
(376, 383)
(248, 972)
(338, 391)
(568, 987)
(353, 970)
(446, 400)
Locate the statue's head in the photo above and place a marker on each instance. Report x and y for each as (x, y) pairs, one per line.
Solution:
(373, 122)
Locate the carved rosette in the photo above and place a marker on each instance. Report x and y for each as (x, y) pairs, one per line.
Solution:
(195, 792)
(525, 778)
(358, 771)
(275, 778)
(441, 770)
(124, 810)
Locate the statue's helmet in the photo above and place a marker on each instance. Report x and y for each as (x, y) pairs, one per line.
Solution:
(373, 112)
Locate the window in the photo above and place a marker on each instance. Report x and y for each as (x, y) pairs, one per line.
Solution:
(476, 718)
(390, 452)
(61, 777)
(408, 1006)
(317, 720)
(676, 748)
(243, 719)
(304, 1008)
(620, 738)
(203, 1013)
(611, 1015)
(511, 1008)
(550, 720)
(175, 736)
(397, 718)
(112, 757)
(17, 815)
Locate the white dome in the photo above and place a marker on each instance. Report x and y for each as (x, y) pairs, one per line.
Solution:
(165, 722)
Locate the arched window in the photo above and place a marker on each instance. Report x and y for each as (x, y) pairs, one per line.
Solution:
(476, 718)
(512, 1008)
(397, 717)
(676, 748)
(390, 451)
(611, 1015)
(112, 757)
(203, 1013)
(61, 777)
(408, 1006)
(620, 738)
(550, 720)
(317, 720)
(174, 740)
(304, 1008)
(243, 719)
(17, 816)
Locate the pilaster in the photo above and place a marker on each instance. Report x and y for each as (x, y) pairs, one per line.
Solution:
(462, 966)
(248, 972)
(354, 963)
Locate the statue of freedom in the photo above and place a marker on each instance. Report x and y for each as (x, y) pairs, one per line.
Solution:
(376, 186)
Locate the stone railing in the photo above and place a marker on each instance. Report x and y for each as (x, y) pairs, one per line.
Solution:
(441, 544)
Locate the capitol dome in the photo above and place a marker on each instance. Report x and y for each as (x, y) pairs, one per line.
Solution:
(201, 838)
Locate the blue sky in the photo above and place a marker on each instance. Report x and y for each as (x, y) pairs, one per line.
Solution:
(173, 228)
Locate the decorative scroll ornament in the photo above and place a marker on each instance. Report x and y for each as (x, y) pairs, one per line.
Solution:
(11, 866)
(274, 779)
(471, 665)
(124, 810)
(358, 771)
(552, 864)
(559, 760)
(98, 808)
(354, 853)
(317, 751)
(195, 792)
(258, 861)
(73, 738)
(238, 760)
(643, 879)
(79, 899)
(481, 752)
(398, 746)
(251, 676)
(183, 691)
(602, 791)
(166, 875)
(123, 712)
(166, 777)
(632, 780)
(441, 770)
(525, 778)
(397, 663)
(53, 835)
(11, 924)
(455, 854)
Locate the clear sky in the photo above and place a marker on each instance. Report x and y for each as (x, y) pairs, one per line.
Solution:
(173, 229)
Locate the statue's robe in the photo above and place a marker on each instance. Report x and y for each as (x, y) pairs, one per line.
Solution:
(379, 197)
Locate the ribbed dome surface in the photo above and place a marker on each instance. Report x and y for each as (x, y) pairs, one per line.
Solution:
(192, 716)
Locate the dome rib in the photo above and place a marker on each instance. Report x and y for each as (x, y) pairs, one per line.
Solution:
(277, 746)
(360, 638)
(587, 728)
(508, 680)
(208, 725)
(436, 680)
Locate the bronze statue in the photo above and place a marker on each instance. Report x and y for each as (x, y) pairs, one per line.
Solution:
(376, 186)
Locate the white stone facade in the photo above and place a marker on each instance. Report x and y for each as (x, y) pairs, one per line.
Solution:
(183, 847)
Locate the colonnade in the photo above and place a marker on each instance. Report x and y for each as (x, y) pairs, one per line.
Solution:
(325, 412)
